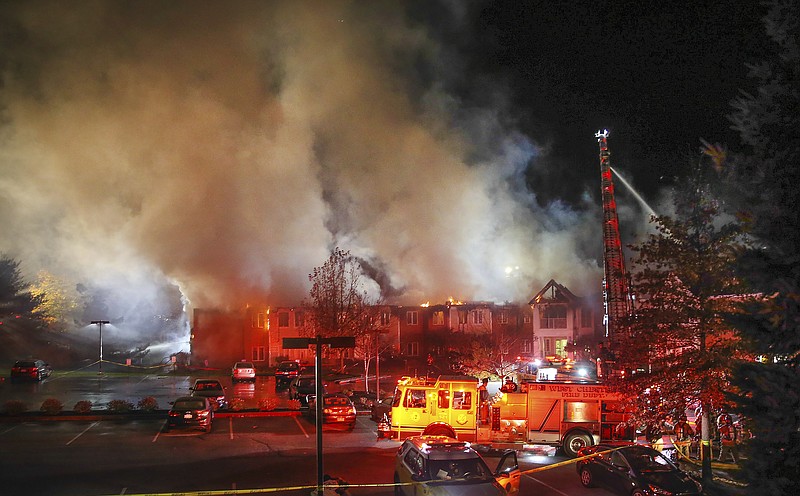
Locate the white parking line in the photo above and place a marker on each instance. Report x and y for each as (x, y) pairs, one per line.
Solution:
(81, 434)
(155, 438)
(301, 427)
(9, 429)
(230, 427)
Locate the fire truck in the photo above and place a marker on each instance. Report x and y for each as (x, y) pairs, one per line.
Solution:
(568, 415)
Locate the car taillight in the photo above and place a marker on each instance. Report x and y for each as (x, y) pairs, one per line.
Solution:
(173, 414)
(203, 414)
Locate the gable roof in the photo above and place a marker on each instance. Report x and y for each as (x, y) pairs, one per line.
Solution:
(554, 292)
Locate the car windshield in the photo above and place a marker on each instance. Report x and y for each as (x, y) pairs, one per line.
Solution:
(468, 469)
(337, 401)
(244, 365)
(289, 366)
(25, 364)
(648, 460)
(189, 405)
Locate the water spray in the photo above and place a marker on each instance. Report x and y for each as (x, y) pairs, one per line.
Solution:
(635, 193)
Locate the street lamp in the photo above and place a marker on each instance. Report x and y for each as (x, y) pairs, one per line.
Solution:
(100, 325)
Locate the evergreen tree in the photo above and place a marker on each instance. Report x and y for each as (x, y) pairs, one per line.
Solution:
(675, 348)
(764, 181)
(15, 294)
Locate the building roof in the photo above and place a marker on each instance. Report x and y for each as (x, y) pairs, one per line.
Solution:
(553, 292)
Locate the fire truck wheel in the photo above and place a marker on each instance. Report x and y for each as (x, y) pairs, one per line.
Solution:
(574, 441)
(586, 478)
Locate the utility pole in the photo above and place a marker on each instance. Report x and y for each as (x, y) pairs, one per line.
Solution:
(318, 341)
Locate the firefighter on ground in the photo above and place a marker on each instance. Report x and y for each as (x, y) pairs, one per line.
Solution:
(683, 436)
(509, 386)
(483, 398)
(727, 438)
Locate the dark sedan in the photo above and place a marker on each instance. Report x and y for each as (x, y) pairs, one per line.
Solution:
(302, 386)
(191, 412)
(338, 411)
(211, 389)
(633, 469)
(34, 370)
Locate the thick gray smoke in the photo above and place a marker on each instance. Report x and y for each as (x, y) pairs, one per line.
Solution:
(226, 147)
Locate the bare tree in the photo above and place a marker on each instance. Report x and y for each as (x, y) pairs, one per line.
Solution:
(338, 304)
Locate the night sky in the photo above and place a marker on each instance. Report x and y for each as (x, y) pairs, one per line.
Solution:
(226, 147)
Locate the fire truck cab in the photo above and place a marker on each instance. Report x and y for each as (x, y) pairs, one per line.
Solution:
(565, 415)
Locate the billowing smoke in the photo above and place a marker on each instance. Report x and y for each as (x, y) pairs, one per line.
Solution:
(227, 147)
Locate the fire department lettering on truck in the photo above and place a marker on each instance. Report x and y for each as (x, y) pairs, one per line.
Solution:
(565, 415)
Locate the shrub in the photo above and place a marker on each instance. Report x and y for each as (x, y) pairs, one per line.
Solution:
(267, 404)
(148, 404)
(52, 406)
(15, 407)
(120, 406)
(83, 406)
(236, 404)
(294, 404)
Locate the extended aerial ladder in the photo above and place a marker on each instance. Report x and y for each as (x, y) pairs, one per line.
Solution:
(616, 294)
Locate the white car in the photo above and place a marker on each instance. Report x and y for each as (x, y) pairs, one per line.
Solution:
(444, 466)
(243, 371)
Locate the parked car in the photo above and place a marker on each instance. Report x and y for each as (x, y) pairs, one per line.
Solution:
(302, 386)
(337, 410)
(243, 371)
(285, 372)
(35, 370)
(190, 412)
(211, 389)
(441, 465)
(633, 469)
(381, 407)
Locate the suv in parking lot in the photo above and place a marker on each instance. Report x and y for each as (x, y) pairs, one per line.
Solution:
(285, 372)
(243, 371)
(30, 369)
(447, 466)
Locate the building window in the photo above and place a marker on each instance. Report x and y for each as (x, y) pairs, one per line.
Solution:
(259, 353)
(385, 318)
(477, 317)
(554, 317)
(525, 346)
(299, 319)
(503, 319)
(527, 319)
(462, 316)
(412, 317)
(412, 348)
(437, 318)
(258, 320)
(555, 347)
(283, 319)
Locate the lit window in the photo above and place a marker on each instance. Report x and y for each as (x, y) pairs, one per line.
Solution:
(437, 318)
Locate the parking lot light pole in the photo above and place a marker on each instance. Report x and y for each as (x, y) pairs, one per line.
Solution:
(100, 325)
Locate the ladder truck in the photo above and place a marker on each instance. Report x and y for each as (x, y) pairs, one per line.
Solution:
(616, 291)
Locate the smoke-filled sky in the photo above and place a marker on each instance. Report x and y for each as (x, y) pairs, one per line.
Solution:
(227, 147)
